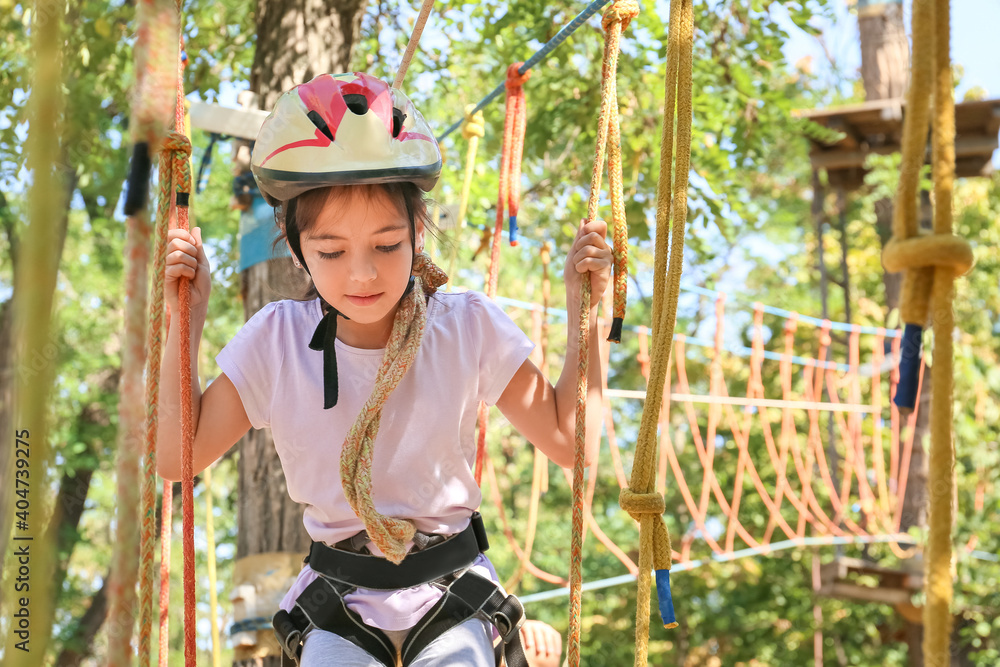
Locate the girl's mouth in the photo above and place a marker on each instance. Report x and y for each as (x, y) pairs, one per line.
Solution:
(364, 300)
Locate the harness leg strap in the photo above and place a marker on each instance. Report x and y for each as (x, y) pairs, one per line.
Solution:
(322, 604)
(468, 596)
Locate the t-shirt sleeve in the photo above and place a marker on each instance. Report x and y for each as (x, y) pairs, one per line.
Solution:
(502, 346)
(252, 361)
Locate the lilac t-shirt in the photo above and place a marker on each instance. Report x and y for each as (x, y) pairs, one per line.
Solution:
(425, 448)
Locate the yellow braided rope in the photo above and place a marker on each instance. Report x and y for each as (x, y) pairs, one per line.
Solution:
(473, 130)
(213, 596)
(36, 282)
(616, 19)
(932, 262)
(640, 499)
(389, 534)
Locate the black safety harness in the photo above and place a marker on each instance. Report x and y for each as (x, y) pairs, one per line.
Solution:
(443, 562)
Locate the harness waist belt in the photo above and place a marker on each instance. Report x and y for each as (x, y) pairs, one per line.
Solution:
(419, 567)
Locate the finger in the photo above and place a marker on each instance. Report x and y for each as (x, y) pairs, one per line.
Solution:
(182, 234)
(592, 264)
(527, 637)
(181, 257)
(184, 246)
(202, 256)
(178, 271)
(592, 240)
(592, 236)
(592, 252)
(541, 644)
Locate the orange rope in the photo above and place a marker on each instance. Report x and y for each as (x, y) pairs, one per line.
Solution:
(510, 186)
(411, 46)
(166, 524)
(792, 464)
(515, 122)
(155, 57)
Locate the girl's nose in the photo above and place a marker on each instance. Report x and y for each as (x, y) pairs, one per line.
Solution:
(363, 267)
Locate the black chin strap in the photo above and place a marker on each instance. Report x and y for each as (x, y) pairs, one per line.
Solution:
(325, 339)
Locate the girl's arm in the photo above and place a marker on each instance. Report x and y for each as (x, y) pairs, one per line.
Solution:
(228, 421)
(544, 414)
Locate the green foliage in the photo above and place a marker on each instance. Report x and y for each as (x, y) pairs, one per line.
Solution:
(750, 229)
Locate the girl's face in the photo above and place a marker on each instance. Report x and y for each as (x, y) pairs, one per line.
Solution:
(359, 254)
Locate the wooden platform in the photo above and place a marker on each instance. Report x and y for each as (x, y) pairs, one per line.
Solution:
(842, 579)
(242, 123)
(876, 127)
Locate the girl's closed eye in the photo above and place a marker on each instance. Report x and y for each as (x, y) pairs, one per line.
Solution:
(382, 248)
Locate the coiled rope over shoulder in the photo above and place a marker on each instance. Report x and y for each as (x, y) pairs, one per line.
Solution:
(389, 534)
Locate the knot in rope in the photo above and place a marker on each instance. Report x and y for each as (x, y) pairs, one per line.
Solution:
(515, 79)
(620, 11)
(928, 250)
(637, 504)
(177, 142)
(430, 274)
(475, 126)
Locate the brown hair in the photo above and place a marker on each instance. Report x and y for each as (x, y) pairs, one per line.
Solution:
(297, 215)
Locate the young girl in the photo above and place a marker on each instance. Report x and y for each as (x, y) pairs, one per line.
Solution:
(381, 376)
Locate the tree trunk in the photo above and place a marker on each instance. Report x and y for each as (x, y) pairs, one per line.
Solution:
(885, 72)
(296, 41)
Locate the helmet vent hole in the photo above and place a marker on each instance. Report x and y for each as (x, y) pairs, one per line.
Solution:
(397, 122)
(358, 104)
(318, 121)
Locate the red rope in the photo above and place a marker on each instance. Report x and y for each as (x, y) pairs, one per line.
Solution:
(165, 537)
(510, 188)
(514, 126)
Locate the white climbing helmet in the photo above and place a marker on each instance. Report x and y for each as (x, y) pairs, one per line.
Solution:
(342, 129)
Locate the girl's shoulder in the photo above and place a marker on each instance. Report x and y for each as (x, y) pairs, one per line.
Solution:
(289, 308)
(461, 304)
(277, 315)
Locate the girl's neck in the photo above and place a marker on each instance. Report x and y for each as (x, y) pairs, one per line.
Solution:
(374, 336)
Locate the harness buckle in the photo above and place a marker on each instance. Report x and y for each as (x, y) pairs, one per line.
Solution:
(289, 635)
(509, 621)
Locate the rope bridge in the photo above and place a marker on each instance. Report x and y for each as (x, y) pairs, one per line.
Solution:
(826, 460)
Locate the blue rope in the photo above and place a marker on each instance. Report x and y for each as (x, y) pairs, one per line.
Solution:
(546, 49)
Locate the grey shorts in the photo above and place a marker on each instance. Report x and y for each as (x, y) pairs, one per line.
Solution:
(469, 644)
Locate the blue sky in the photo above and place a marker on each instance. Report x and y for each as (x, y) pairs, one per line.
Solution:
(974, 44)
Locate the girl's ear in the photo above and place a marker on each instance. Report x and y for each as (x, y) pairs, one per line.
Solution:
(295, 258)
(418, 241)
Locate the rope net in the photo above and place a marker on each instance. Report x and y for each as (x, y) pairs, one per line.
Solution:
(827, 455)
